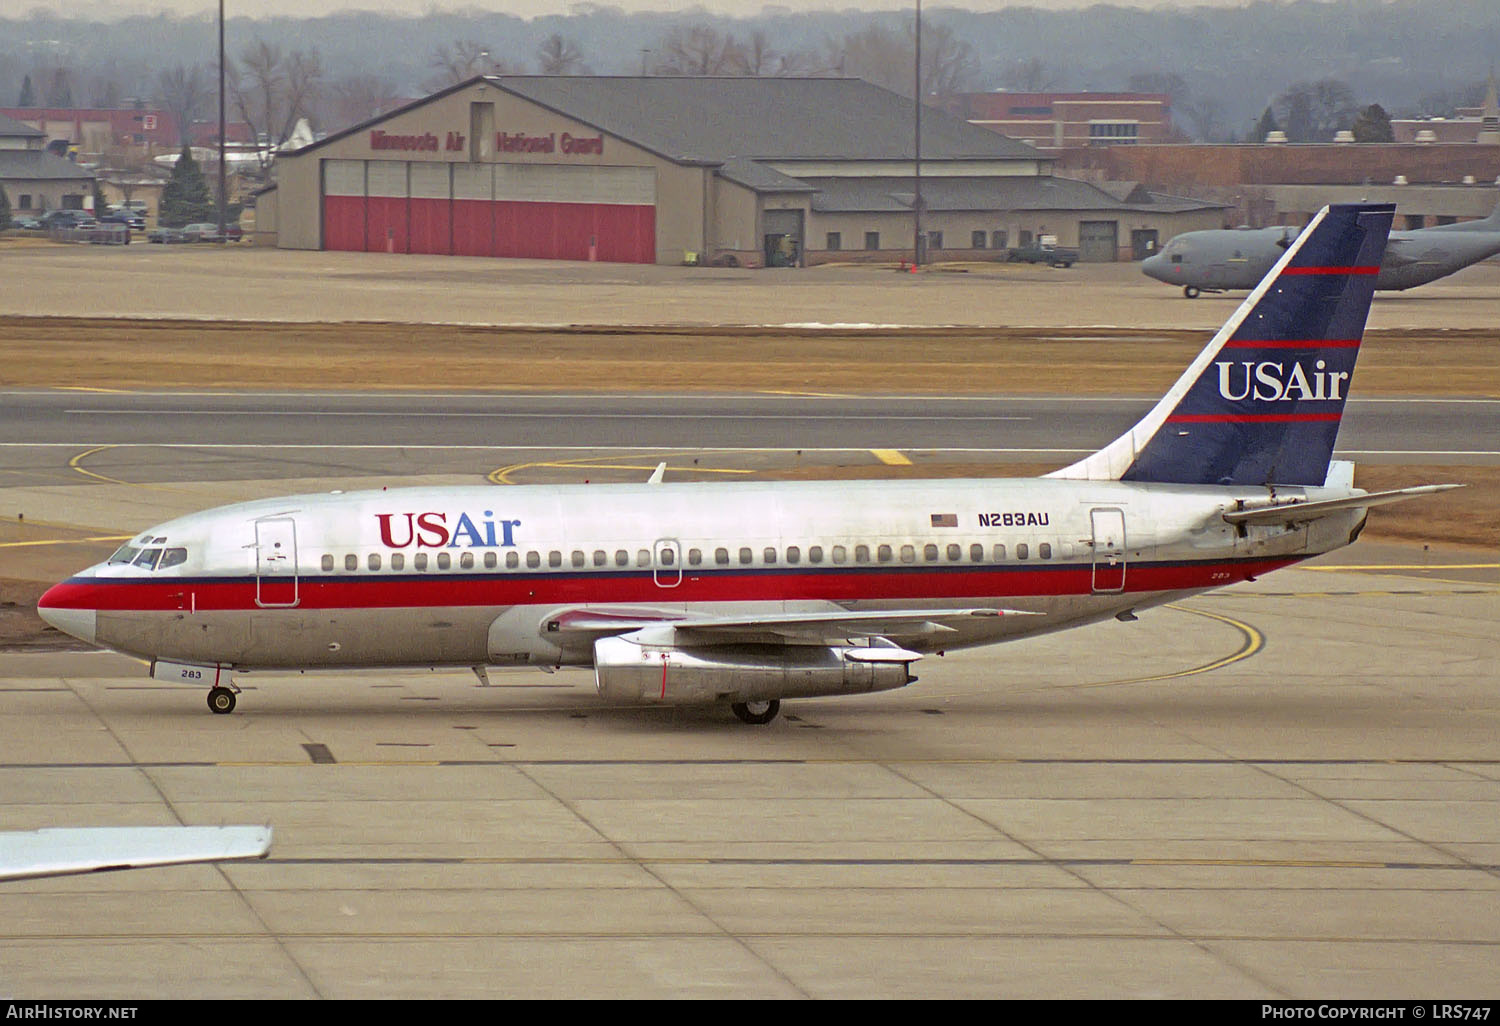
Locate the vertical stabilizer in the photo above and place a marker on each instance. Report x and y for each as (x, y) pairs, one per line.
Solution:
(1261, 404)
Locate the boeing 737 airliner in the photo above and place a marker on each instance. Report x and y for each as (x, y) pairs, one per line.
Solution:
(747, 593)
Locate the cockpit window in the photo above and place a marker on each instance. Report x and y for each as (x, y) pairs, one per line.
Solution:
(172, 557)
(147, 559)
(124, 554)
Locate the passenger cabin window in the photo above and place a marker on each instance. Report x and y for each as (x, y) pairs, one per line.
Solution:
(695, 557)
(622, 558)
(491, 560)
(579, 559)
(746, 556)
(861, 553)
(374, 561)
(999, 553)
(721, 557)
(770, 555)
(1044, 550)
(643, 557)
(444, 561)
(815, 554)
(398, 561)
(908, 554)
(351, 562)
(930, 553)
(840, 554)
(512, 560)
(533, 560)
(1022, 551)
(976, 553)
(601, 558)
(554, 558)
(327, 562)
(466, 561)
(419, 561)
(883, 553)
(793, 554)
(667, 557)
(955, 553)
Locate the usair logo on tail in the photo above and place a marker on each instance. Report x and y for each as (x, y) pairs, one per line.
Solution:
(1274, 381)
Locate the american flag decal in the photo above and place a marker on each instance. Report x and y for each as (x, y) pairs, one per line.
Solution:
(945, 520)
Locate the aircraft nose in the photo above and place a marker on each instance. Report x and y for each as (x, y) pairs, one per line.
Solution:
(61, 606)
(1155, 267)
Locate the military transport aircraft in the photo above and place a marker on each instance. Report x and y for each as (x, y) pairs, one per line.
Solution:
(1238, 258)
(751, 593)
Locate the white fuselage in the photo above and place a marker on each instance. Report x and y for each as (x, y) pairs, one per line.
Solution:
(478, 576)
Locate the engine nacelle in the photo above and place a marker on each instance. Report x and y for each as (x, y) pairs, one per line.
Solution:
(628, 671)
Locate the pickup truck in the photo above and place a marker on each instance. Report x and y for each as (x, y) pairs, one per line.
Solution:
(1042, 253)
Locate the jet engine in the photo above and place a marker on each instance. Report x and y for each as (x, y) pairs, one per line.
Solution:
(626, 670)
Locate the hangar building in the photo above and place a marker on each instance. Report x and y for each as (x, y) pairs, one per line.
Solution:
(748, 171)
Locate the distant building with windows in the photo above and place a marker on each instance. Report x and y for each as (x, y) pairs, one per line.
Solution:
(1055, 121)
(36, 181)
(745, 171)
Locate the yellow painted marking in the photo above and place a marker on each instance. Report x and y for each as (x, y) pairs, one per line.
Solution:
(1408, 566)
(1254, 642)
(1274, 863)
(810, 395)
(891, 457)
(502, 475)
(88, 388)
(73, 465)
(66, 541)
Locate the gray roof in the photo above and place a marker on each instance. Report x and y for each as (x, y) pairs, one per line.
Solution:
(38, 165)
(712, 120)
(759, 177)
(10, 128)
(894, 195)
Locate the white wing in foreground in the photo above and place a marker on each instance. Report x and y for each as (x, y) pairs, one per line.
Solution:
(62, 851)
(830, 627)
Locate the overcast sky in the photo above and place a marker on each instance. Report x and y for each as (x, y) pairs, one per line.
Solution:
(106, 10)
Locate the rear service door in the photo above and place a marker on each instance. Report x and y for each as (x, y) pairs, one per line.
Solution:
(1109, 549)
(276, 562)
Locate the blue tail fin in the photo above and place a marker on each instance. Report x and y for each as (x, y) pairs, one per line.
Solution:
(1261, 404)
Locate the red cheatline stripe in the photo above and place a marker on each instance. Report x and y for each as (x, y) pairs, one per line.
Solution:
(1249, 418)
(372, 591)
(1332, 270)
(1293, 343)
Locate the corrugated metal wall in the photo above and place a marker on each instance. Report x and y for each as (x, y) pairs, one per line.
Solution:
(541, 211)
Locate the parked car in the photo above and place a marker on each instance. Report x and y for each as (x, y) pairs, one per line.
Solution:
(126, 217)
(1045, 251)
(167, 236)
(67, 219)
(205, 232)
(26, 224)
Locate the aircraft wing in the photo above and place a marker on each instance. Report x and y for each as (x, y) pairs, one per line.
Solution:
(1301, 512)
(830, 627)
(62, 851)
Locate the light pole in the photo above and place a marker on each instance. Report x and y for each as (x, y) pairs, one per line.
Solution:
(916, 204)
(223, 174)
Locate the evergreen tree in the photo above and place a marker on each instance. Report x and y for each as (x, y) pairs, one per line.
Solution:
(1265, 126)
(1373, 125)
(186, 199)
(4, 209)
(28, 93)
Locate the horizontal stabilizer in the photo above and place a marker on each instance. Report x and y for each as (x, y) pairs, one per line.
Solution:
(1301, 512)
(63, 851)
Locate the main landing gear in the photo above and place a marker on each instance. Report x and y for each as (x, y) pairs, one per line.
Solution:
(757, 713)
(221, 700)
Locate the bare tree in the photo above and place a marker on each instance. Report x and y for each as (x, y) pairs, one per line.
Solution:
(271, 91)
(888, 58)
(188, 94)
(1030, 76)
(465, 59)
(697, 50)
(1314, 111)
(559, 55)
(359, 97)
